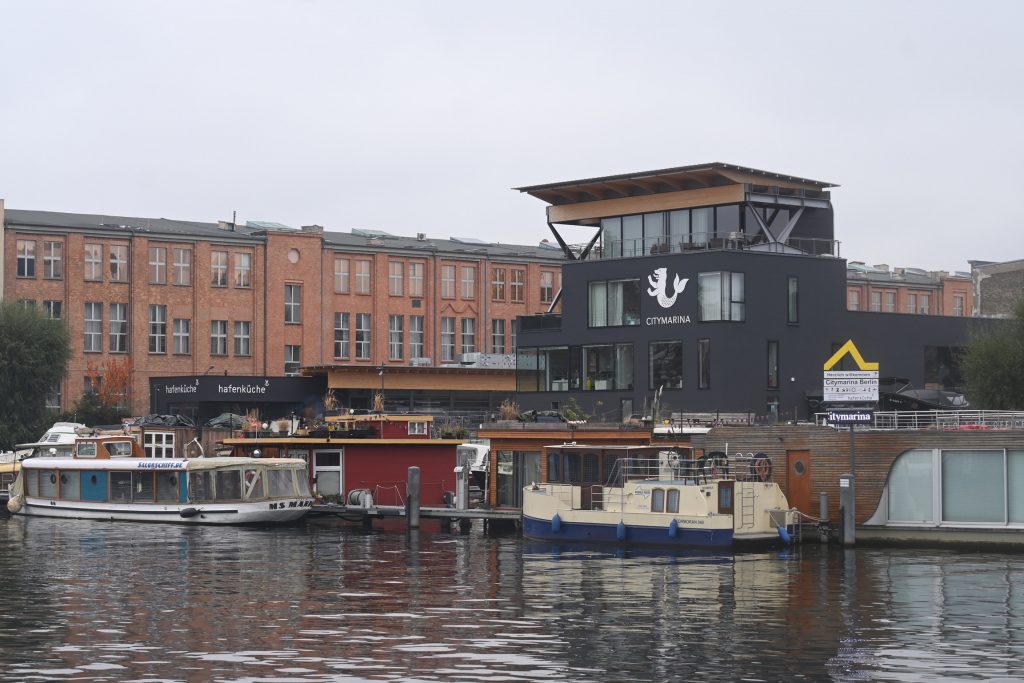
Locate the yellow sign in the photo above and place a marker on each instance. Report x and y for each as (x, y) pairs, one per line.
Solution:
(849, 348)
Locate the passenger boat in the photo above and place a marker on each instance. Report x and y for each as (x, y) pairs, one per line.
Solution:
(109, 477)
(657, 497)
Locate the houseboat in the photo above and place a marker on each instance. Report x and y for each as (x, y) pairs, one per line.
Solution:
(657, 497)
(109, 477)
(366, 457)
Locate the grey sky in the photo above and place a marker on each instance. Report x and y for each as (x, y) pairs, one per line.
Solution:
(419, 116)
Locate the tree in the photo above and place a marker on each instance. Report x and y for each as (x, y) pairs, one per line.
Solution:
(34, 353)
(107, 403)
(993, 366)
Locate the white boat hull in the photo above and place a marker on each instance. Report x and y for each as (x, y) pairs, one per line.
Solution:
(262, 512)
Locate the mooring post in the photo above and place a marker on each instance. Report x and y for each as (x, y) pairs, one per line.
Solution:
(823, 517)
(412, 492)
(847, 496)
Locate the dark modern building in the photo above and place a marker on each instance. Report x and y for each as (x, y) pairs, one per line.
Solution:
(708, 288)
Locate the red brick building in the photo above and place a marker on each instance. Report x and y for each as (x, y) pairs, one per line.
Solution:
(882, 289)
(182, 298)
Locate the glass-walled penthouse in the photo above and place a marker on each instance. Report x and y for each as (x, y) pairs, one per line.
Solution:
(733, 226)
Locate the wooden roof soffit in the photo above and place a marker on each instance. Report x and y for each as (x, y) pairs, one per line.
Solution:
(660, 201)
(742, 177)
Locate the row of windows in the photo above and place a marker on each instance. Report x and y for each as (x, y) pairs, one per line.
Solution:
(174, 265)
(165, 265)
(884, 301)
(407, 278)
(234, 484)
(610, 367)
(181, 334)
(720, 296)
(415, 325)
(978, 487)
(662, 231)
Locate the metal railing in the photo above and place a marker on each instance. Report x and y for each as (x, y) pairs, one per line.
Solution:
(735, 241)
(939, 419)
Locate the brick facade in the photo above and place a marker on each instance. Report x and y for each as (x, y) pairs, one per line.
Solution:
(279, 286)
(903, 290)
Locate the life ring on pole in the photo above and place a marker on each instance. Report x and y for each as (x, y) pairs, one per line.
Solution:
(761, 467)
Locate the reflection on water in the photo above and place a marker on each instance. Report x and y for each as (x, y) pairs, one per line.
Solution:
(99, 601)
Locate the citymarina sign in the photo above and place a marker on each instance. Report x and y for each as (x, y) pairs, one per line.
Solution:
(665, 294)
(850, 386)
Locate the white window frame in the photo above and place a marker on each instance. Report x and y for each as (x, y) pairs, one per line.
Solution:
(158, 444)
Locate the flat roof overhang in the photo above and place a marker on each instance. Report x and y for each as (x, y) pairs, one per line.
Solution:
(585, 202)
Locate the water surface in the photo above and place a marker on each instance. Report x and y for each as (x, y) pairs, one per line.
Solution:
(86, 600)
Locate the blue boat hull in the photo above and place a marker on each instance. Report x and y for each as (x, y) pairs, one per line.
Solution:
(543, 529)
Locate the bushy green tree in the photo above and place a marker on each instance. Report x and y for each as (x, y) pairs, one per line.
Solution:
(993, 366)
(91, 410)
(34, 356)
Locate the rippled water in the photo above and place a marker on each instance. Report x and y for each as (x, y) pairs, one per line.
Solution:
(327, 602)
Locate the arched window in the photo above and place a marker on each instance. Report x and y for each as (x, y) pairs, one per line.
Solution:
(658, 500)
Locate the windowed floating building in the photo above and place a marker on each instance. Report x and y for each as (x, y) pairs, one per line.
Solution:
(707, 289)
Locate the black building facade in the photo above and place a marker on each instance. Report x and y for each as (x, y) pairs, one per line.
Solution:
(708, 289)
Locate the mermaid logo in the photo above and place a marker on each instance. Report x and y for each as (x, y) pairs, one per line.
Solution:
(659, 284)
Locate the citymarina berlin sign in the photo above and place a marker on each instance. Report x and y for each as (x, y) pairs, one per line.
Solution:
(850, 386)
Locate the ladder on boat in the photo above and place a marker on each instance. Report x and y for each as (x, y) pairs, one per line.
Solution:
(746, 501)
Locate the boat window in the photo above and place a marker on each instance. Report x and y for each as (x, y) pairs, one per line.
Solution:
(280, 483)
(572, 468)
(119, 449)
(71, 485)
(48, 483)
(554, 471)
(254, 487)
(120, 487)
(303, 481)
(200, 487)
(725, 497)
(167, 487)
(612, 471)
(672, 502)
(31, 482)
(142, 487)
(590, 468)
(658, 500)
(328, 459)
(87, 449)
(229, 484)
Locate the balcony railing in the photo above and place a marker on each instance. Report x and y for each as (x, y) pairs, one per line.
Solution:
(615, 249)
(961, 420)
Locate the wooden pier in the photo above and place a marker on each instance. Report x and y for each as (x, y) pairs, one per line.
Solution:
(506, 518)
(385, 511)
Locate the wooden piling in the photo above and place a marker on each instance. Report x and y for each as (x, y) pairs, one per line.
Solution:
(412, 515)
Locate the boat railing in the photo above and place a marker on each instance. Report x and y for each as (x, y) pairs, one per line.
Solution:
(673, 466)
(937, 419)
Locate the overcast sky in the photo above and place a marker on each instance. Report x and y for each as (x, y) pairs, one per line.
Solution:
(419, 116)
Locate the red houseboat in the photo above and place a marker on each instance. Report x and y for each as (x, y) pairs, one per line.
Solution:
(353, 454)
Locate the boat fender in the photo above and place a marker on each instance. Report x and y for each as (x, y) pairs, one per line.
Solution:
(188, 512)
(620, 531)
(673, 528)
(14, 504)
(556, 524)
(784, 535)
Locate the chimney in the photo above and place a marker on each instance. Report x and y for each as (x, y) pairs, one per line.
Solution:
(313, 228)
